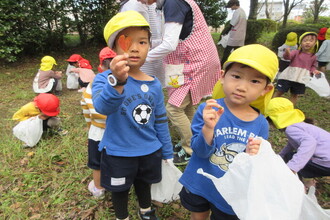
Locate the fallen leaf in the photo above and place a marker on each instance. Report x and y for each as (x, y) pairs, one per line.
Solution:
(124, 42)
(36, 216)
(30, 154)
(24, 161)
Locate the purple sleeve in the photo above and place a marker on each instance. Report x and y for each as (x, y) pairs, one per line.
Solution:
(305, 144)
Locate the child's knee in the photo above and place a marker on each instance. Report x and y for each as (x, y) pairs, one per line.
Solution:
(53, 122)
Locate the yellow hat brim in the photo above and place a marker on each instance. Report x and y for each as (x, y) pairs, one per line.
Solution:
(121, 21)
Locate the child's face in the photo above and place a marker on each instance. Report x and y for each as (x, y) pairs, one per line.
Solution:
(308, 43)
(243, 84)
(139, 47)
(147, 2)
(42, 116)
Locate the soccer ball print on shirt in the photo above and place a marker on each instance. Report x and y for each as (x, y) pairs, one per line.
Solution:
(142, 113)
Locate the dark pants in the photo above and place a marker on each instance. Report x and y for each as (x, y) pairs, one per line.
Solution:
(120, 199)
(82, 84)
(310, 170)
(226, 54)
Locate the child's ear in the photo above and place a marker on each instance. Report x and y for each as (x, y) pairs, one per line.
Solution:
(267, 89)
(222, 75)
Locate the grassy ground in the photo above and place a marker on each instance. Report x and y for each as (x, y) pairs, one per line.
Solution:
(50, 180)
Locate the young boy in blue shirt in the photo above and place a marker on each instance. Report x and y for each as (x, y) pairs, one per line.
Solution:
(226, 126)
(137, 138)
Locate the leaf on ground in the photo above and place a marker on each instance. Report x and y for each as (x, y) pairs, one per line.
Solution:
(84, 180)
(15, 205)
(158, 204)
(43, 187)
(89, 213)
(24, 161)
(30, 154)
(36, 216)
(60, 163)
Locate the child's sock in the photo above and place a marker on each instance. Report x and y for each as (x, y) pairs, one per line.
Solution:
(143, 211)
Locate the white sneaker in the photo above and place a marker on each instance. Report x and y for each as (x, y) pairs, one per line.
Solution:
(97, 193)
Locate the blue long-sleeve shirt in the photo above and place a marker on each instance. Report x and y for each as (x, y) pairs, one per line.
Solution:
(136, 123)
(230, 138)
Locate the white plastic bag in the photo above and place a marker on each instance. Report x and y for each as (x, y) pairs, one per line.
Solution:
(168, 188)
(319, 84)
(262, 187)
(59, 85)
(72, 81)
(36, 88)
(224, 40)
(29, 131)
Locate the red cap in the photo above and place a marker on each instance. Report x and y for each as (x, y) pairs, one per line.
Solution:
(74, 58)
(48, 104)
(83, 63)
(321, 34)
(105, 53)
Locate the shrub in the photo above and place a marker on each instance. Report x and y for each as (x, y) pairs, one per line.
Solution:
(323, 21)
(255, 28)
(280, 36)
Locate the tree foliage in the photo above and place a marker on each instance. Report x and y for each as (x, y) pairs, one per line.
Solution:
(314, 10)
(214, 11)
(35, 26)
(288, 6)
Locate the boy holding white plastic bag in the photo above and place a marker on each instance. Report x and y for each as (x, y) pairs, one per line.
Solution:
(226, 126)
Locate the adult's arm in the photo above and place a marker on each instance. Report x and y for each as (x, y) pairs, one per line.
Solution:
(170, 42)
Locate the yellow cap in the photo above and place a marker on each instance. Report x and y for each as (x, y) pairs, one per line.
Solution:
(327, 34)
(316, 47)
(121, 21)
(291, 39)
(47, 63)
(258, 57)
(282, 113)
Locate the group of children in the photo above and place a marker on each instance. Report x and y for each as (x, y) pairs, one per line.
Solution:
(297, 64)
(128, 126)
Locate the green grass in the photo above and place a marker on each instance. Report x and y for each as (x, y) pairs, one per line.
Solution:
(52, 184)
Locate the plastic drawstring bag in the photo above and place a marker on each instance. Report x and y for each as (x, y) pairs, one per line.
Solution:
(29, 131)
(224, 40)
(36, 88)
(262, 187)
(72, 81)
(319, 84)
(168, 188)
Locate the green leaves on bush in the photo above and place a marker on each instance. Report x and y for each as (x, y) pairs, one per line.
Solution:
(256, 27)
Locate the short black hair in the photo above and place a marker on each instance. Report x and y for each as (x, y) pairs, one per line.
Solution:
(232, 3)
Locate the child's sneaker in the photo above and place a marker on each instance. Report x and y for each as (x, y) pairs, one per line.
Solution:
(177, 148)
(97, 193)
(181, 158)
(150, 215)
(62, 132)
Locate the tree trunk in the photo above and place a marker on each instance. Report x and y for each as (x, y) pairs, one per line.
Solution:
(253, 9)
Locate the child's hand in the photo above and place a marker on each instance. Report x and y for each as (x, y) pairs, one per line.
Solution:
(59, 73)
(119, 67)
(316, 72)
(253, 146)
(211, 116)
